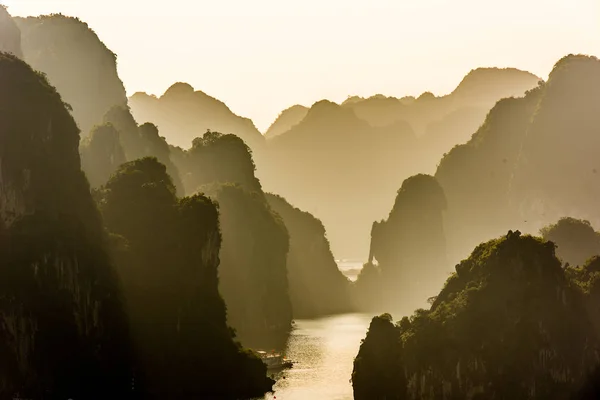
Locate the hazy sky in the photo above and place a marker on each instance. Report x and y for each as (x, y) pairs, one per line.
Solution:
(261, 56)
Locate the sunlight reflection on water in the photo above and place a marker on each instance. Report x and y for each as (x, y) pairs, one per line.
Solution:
(324, 351)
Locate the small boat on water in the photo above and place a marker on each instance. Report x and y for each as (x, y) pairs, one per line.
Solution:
(274, 360)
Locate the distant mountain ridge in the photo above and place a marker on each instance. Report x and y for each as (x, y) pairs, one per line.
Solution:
(344, 163)
(183, 114)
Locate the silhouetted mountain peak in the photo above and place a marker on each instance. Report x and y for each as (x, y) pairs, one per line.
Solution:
(483, 82)
(322, 105)
(426, 96)
(328, 110)
(184, 113)
(179, 89)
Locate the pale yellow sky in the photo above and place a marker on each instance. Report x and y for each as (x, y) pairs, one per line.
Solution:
(262, 56)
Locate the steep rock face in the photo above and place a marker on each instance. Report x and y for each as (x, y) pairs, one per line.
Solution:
(253, 273)
(183, 114)
(76, 62)
(409, 248)
(168, 262)
(10, 34)
(531, 162)
(557, 171)
(377, 373)
(286, 121)
(61, 326)
(477, 176)
(317, 286)
(507, 324)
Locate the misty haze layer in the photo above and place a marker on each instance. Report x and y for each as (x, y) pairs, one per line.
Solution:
(150, 246)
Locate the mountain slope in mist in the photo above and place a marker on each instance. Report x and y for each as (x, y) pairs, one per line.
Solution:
(252, 274)
(317, 287)
(532, 162)
(481, 88)
(183, 114)
(286, 120)
(339, 168)
(407, 259)
(345, 163)
(10, 34)
(83, 70)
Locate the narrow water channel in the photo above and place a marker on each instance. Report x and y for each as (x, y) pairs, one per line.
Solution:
(324, 351)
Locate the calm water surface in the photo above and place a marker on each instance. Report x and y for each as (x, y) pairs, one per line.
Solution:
(324, 351)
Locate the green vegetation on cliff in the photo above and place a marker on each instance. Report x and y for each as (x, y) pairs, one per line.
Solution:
(508, 324)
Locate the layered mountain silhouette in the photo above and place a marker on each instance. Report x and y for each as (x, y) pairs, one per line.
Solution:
(339, 168)
(183, 114)
(76, 62)
(531, 162)
(369, 146)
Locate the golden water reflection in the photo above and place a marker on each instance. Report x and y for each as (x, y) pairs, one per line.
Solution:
(324, 351)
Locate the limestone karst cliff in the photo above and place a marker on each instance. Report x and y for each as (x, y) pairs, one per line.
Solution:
(76, 62)
(253, 272)
(317, 287)
(531, 162)
(62, 327)
(407, 260)
(508, 324)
